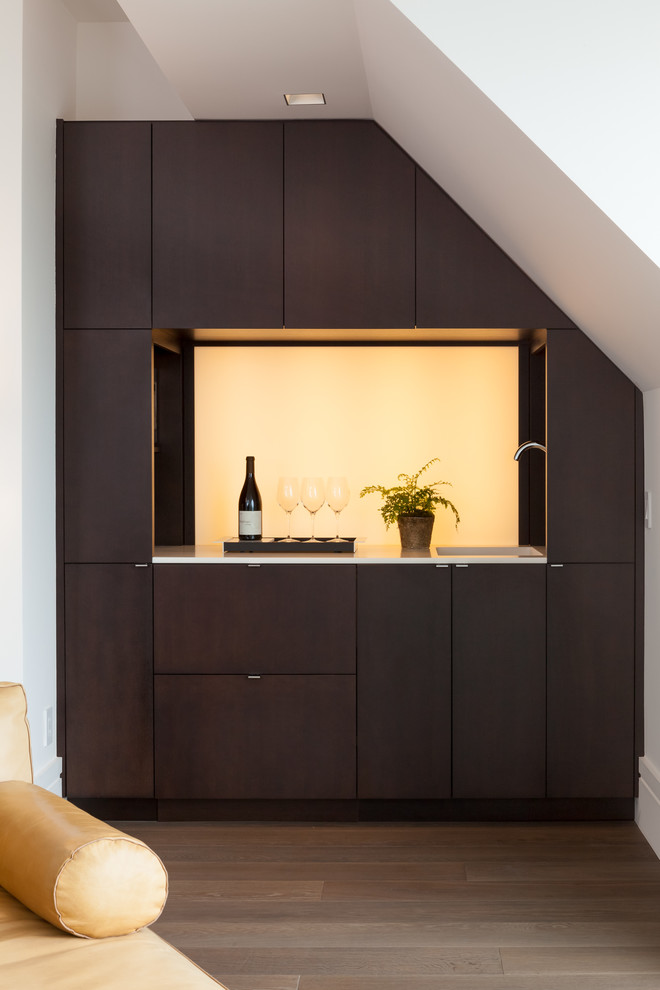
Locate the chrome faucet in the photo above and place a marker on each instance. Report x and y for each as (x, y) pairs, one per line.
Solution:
(528, 445)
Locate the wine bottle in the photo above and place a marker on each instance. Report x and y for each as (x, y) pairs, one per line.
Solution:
(249, 506)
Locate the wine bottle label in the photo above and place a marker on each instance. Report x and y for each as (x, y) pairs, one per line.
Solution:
(249, 523)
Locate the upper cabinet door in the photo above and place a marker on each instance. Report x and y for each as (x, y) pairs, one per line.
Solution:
(217, 224)
(591, 419)
(349, 249)
(464, 279)
(106, 224)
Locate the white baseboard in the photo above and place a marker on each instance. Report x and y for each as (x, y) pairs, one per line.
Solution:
(647, 810)
(50, 776)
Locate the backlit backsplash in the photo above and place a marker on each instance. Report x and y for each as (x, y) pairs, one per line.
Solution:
(368, 413)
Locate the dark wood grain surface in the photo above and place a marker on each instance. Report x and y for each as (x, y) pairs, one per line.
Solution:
(106, 223)
(498, 622)
(591, 680)
(349, 214)
(591, 454)
(217, 216)
(276, 736)
(242, 619)
(107, 445)
(464, 279)
(404, 682)
(109, 681)
(439, 907)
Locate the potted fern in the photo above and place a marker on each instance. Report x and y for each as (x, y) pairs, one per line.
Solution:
(412, 507)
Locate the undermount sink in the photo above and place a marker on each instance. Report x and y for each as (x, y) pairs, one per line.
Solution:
(524, 551)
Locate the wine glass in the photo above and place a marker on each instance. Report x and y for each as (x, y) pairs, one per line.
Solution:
(312, 496)
(337, 496)
(288, 496)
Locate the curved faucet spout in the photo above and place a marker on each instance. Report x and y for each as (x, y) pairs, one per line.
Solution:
(528, 445)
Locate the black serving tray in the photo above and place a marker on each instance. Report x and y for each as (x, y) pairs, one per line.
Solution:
(279, 544)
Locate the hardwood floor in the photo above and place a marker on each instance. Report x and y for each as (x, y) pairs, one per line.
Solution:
(417, 907)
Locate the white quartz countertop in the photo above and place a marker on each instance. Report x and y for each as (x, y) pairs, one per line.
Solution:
(364, 554)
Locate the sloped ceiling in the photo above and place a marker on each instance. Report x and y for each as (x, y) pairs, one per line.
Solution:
(236, 59)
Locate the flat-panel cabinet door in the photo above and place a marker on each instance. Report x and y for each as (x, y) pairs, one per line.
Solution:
(591, 454)
(217, 207)
(254, 619)
(107, 440)
(106, 223)
(591, 686)
(271, 737)
(463, 278)
(109, 681)
(349, 215)
(404, 681)
(499, 681)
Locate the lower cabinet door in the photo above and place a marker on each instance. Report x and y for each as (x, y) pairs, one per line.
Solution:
(404, 682)
(591, 688)
(109, 681)
(225, 736)
(499, 681)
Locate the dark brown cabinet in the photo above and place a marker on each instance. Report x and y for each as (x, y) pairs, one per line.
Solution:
(275, 737)
(498, 621)
(107, 446)
(105, 223)
(255, 685)
(217, 224)
(109, 681)
(254, 619)
(463, 279)
(349, 215)
(591, 430)
(404, 681)
(591, 681)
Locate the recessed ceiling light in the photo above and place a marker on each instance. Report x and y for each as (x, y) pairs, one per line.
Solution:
(304, 99)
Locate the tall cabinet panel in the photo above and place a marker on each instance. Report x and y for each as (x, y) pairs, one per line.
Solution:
(591, 502)
(499, 681)
(463, 278)
(109, 681)
(404, 682)
(349, 248)
(591, 680)
(107, 445)
(106, 224)
(217, 216)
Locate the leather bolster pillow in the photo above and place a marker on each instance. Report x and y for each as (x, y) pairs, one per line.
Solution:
(76, 872)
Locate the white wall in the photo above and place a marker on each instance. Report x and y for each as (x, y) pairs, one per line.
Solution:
(39, 36)
(11, 563)
(117, 78)
(578, 77)
(38, 55)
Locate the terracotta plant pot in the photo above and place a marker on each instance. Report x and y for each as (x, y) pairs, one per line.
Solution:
(415, 531)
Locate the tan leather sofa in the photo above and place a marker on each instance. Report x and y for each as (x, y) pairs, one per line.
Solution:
(76, 895)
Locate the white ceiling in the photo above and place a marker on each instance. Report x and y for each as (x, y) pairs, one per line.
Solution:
(236, 59)
(99, 11)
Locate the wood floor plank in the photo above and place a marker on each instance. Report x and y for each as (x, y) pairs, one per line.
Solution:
(459, 982)
(560, 852)
(421, 907)
(199, 889)
(376, 933)
(557, 961)
(274, 982)
(304, 872)
(592, 871)
(351, 962)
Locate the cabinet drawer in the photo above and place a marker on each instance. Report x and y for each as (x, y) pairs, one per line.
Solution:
(243, 619)
(272, 737)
